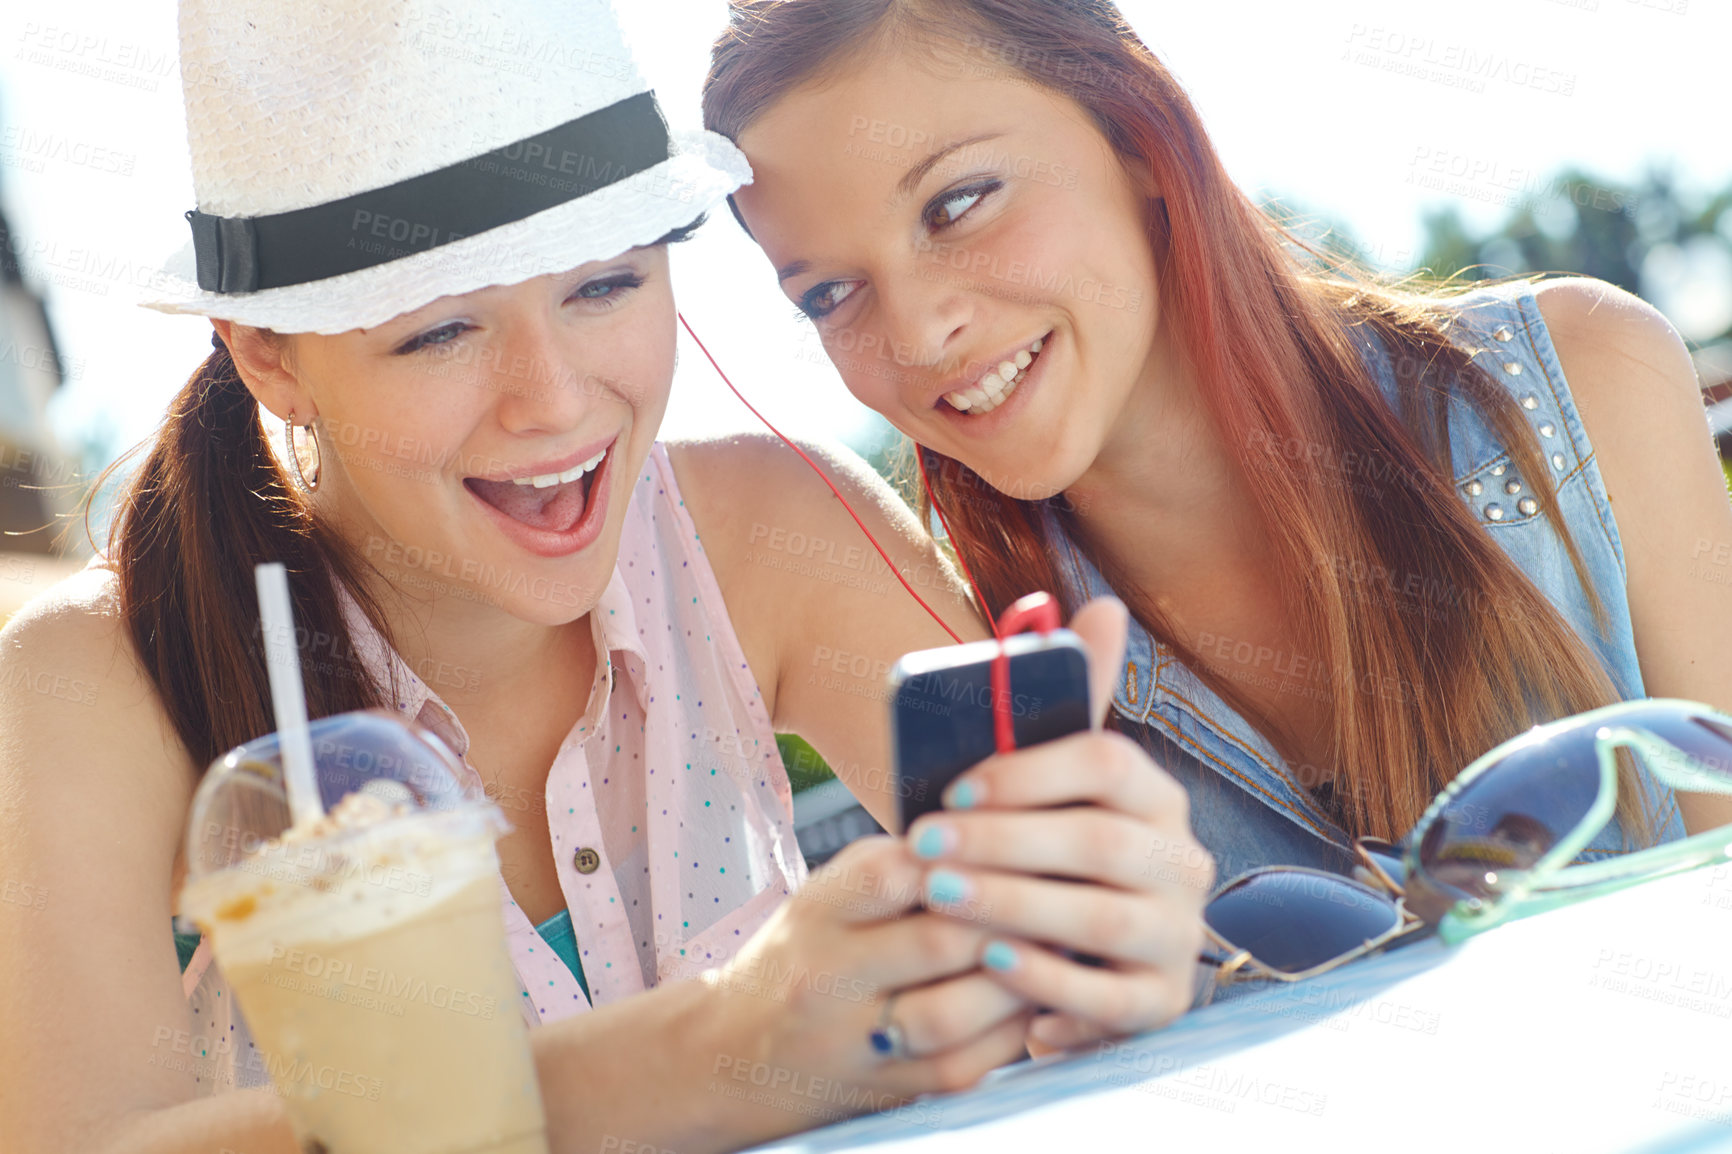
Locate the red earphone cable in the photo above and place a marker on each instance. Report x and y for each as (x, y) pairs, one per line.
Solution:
(1003, 728)
(826, 480)
(926, 482)
(1037, 610)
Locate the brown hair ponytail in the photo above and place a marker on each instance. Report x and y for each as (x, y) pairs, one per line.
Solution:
(209, 503)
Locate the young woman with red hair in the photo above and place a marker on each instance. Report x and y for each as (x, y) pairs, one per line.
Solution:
(1366, 533)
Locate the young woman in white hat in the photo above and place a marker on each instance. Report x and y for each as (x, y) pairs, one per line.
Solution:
(444, 338)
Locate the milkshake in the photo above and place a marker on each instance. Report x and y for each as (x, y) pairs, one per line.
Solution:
(367, 953)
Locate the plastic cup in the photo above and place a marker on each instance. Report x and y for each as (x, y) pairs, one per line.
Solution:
(368, 955)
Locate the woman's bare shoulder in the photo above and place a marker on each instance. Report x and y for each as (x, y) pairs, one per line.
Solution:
(71, 685)
(96, 790)
(749, 484)
(72, 629)
(71, 611)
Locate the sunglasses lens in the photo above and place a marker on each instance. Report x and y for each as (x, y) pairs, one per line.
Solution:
(1291, 920)
(1506, 819)
(1510, 815)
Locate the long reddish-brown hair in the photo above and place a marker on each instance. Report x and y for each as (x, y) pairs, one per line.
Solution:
(1272, 338)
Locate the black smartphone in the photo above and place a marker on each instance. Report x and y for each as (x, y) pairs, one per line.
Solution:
(941, 709)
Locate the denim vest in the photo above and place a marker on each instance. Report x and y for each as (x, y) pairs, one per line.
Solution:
(1246, 812)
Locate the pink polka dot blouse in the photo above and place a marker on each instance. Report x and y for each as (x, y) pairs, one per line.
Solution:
(668, 807)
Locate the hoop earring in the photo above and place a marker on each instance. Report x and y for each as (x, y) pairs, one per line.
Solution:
(295, 457)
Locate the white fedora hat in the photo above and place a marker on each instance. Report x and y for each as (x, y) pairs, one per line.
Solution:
(356, 159)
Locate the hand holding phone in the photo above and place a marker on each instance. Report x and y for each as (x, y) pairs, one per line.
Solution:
(942, 709)
(1076, 844)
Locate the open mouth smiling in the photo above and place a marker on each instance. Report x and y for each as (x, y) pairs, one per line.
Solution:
(996, 385)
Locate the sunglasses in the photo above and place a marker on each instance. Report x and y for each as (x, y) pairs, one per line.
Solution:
(1501, 842)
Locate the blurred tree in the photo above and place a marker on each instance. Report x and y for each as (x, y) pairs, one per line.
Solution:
(1672, 250)
(1448, 245)
(1646, 238)
(1574, 223)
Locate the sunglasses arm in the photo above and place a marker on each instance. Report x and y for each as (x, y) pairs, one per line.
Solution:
(1674, 767)
(1219, 971)
(1671, 765)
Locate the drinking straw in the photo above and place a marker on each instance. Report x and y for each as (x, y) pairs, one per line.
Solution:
(288, 696)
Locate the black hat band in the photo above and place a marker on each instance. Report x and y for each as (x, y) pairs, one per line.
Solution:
(247, 254)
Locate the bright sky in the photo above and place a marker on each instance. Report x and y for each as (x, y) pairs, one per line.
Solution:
(1318, 101)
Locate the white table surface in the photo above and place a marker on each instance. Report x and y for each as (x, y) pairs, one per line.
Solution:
(1604, 1026)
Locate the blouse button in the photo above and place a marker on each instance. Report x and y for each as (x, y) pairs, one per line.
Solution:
(1474, 488)
(1557, 460)
(1512, 487)
(586, 860)
(1504, 333)
(1494, 512)
(1513, 368)
(1548, 429)
(1528, 506)
(1530, 402)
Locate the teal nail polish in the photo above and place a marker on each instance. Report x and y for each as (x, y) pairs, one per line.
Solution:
(930, 844)
(961, 796)
(945, 888)
(1000, 957)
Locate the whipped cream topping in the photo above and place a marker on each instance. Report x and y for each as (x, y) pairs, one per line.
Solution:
(369, 863)
(357, 811)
